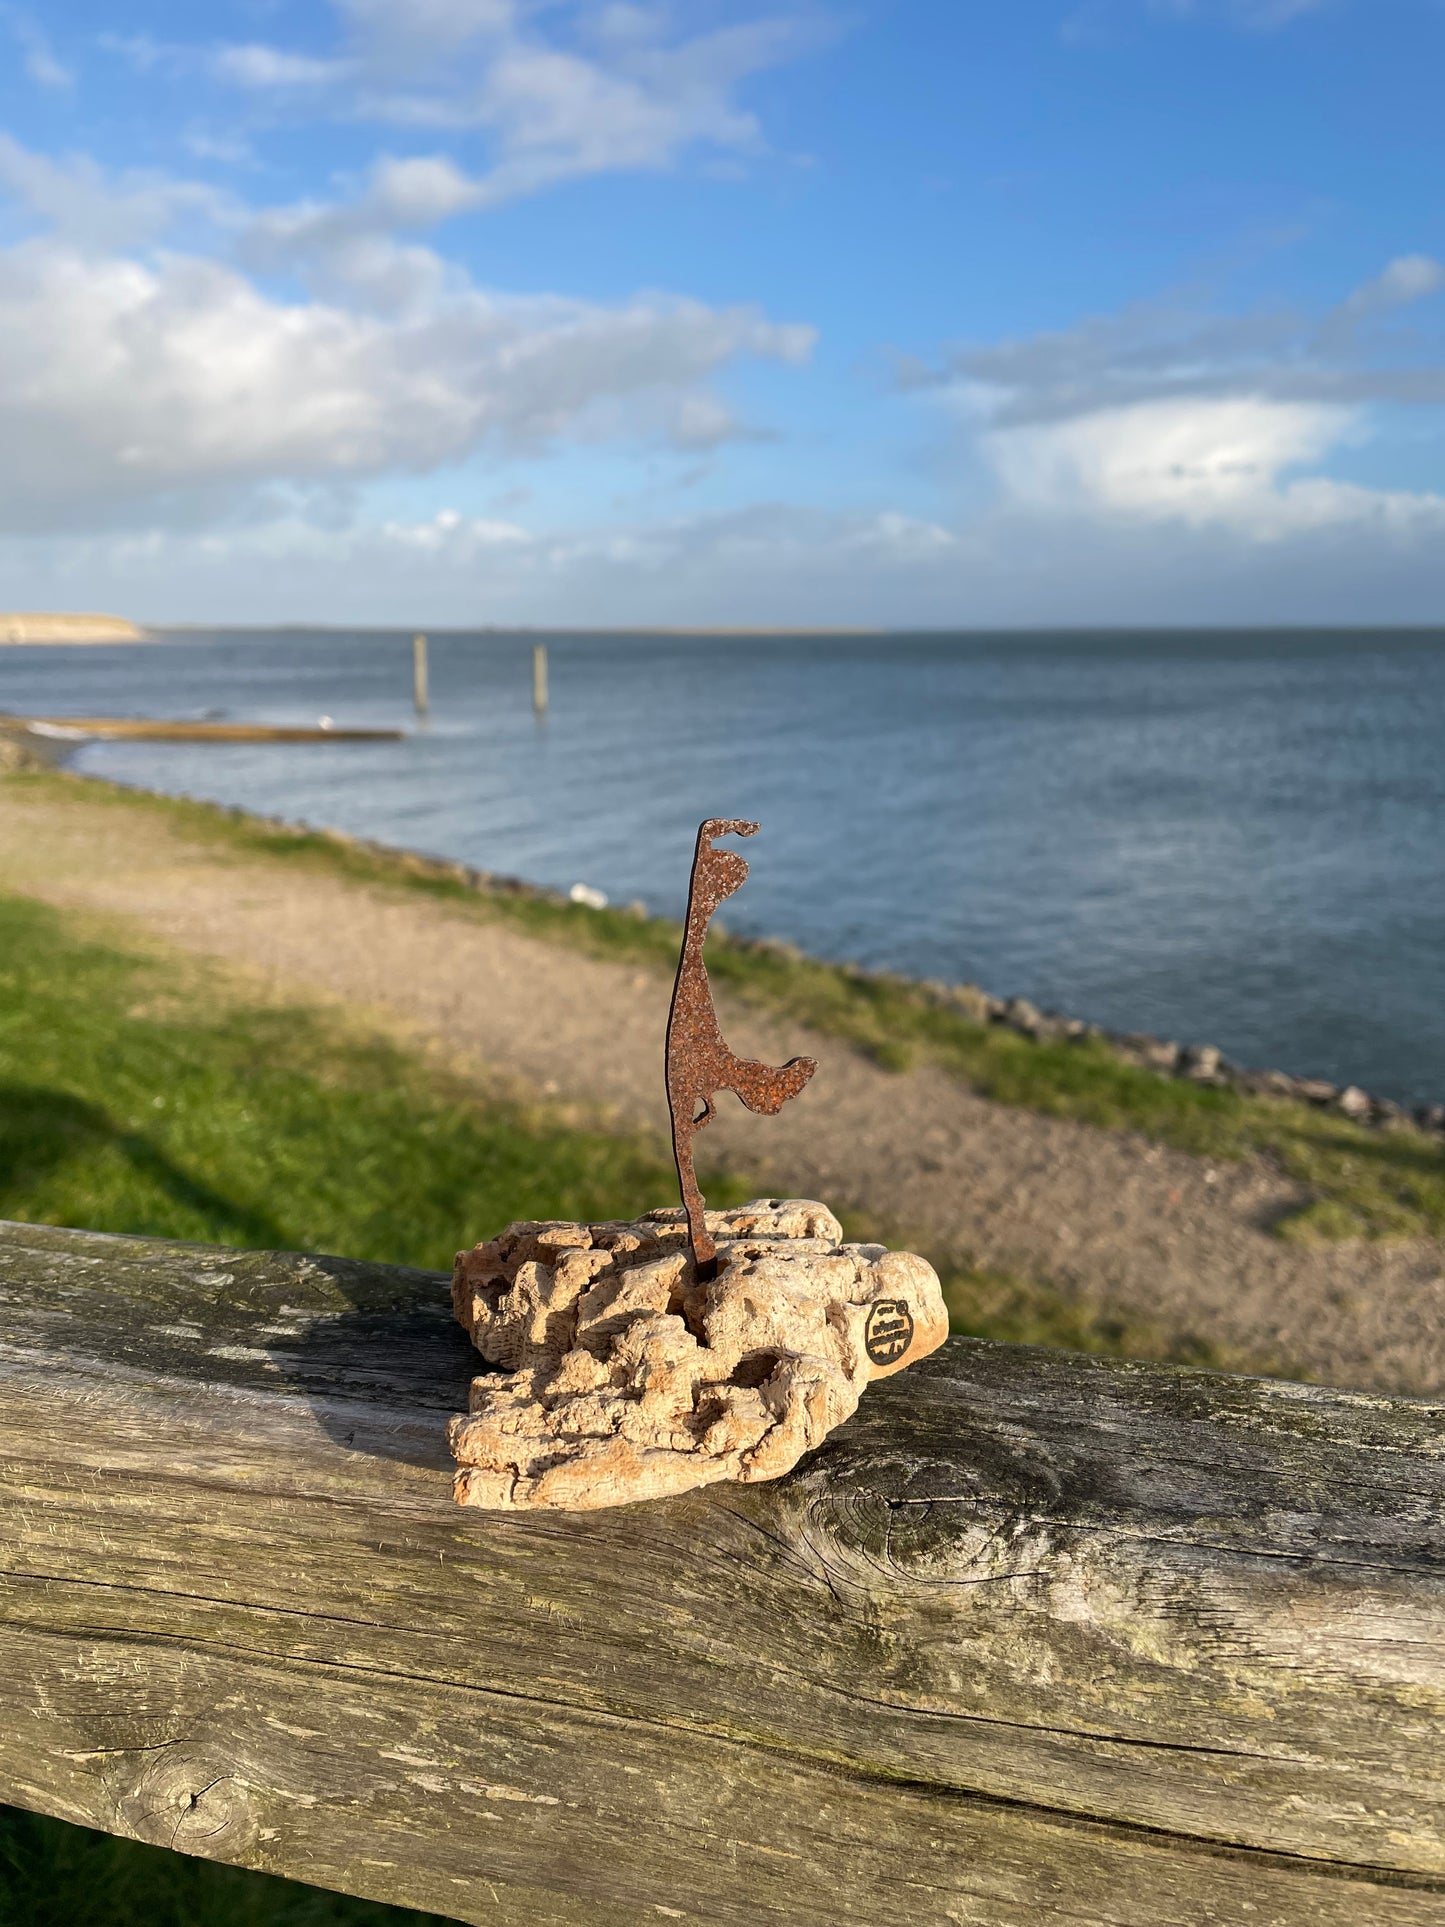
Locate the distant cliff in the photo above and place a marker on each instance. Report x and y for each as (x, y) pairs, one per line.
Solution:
(51, 628)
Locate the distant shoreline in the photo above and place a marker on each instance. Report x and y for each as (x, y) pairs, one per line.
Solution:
(39, 628)
(522, 629)
(1021, 632)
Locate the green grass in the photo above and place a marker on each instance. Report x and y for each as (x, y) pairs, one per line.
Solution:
(1363, 1182)
(134, 1101)
(54, 1875)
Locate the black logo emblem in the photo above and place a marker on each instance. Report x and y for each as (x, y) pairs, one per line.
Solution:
(889, 1331)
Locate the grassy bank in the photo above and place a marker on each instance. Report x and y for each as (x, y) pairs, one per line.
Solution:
(1364, 1182)
(144, 1094)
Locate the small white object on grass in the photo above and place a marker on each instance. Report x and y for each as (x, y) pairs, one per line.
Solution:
(584, 893)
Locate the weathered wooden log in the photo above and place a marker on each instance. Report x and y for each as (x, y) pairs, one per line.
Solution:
(1033, 1639)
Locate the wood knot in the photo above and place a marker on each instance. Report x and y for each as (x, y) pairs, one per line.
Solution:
(191, 1798)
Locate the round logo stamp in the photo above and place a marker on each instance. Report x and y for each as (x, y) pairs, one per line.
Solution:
(889, 1331)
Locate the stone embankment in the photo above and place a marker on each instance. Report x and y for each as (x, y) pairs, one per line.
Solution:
(1198, 1063)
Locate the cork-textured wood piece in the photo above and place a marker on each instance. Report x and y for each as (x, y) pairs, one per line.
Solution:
(629, 1373)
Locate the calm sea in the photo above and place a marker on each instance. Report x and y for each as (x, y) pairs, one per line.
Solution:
(1229, 838)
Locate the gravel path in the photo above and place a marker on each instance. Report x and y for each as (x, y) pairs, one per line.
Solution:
(1124, 1225)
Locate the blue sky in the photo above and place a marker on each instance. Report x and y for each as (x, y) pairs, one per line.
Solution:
(899, 312)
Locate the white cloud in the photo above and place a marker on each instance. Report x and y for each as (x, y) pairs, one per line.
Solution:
(774, 563)
(1222, 464)
(349, 247)
(147, 379)
(425, 27)
(1167, 350)
(560, 90)
(252, 66)
(773, 539)
(461, 538)
(79, 201)
(413, 195)
(1162, 414)
(132, 385)
(1400, 284)
(557, 114)
(1194, 461)
(419, 192)
(258, 66)
(1409, 278)
(37, 56)
(1258, 14)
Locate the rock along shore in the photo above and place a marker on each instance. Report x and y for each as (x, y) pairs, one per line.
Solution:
(1198, 1063)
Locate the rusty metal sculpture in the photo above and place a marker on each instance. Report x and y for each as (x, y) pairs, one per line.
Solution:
(699, 1063)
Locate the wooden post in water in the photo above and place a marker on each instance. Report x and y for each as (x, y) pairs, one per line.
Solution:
(418, 675)
(539, 678)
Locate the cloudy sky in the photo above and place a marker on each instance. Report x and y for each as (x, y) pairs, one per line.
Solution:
(899, 312)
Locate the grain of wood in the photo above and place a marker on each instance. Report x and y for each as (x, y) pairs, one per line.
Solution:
(1033, 1639)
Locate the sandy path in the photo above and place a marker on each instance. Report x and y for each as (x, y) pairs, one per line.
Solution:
(1128, 1226)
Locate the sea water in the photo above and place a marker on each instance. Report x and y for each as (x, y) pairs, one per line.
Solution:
(1234, 838)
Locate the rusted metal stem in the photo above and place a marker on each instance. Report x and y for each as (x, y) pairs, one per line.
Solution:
(699, 1063)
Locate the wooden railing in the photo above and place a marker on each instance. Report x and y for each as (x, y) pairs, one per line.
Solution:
(1034, 1639)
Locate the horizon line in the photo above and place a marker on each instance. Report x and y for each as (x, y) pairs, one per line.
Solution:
(804, 629)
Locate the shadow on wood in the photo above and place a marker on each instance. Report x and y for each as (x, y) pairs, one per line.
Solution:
(1035, 1638)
